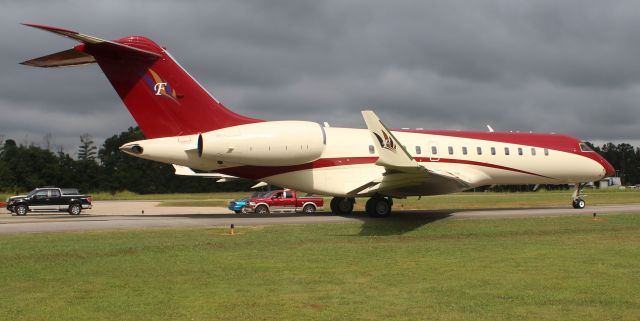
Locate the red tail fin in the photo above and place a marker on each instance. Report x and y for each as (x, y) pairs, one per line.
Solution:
(160, 95)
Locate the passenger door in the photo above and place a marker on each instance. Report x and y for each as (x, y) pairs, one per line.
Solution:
(277, 201)
(289, 201)
(41, 201)
(56, 199)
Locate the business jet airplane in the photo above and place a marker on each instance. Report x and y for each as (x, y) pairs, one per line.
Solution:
(187, 126)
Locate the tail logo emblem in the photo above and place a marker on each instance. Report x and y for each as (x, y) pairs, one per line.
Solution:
(387, 142)
(159, 86)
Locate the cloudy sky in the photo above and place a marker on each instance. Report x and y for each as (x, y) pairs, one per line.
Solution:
(549, 66)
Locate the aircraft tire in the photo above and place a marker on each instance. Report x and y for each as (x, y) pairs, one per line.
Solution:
(342, 205)
(334, 205)
(579, 204)
(378, 207)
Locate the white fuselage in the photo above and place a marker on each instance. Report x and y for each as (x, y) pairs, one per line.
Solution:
(344, 163)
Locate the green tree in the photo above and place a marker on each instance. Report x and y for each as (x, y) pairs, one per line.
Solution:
(87, 148)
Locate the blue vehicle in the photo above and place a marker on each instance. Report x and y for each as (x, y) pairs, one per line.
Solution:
(238, 205)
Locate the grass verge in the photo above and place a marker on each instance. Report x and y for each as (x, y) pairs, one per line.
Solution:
(554, 268)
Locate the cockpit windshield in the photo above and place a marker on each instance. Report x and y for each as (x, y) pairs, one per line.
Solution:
(585, 148)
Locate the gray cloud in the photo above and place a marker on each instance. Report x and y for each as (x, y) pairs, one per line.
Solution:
(569, 66)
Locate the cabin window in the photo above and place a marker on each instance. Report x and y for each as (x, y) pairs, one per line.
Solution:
(506, 151)
(464, 150)
(288, 194)
(546, 152)
(493, 150)
(479, 150)
(533, 151)
(520, 151)
(418, 150)
(450, 148)
(371, 149)
(434, 150)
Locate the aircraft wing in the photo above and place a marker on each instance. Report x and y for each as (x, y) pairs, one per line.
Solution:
(401, 169)
(186, 171)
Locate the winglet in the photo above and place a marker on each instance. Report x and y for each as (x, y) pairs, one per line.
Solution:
(392, 153)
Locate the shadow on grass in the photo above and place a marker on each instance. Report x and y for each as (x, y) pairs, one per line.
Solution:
(400, 222)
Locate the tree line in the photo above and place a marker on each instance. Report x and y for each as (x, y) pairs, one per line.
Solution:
(107, 169)
(624, 158)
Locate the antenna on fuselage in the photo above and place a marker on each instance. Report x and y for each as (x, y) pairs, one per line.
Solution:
(490, 129)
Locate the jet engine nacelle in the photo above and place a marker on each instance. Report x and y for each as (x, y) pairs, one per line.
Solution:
(275, 143)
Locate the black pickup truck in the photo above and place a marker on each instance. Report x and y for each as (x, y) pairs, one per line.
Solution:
(49, 199)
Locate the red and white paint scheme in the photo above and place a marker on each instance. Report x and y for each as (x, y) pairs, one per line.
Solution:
(187, 126)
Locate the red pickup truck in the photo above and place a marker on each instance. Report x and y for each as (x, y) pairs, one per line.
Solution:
(284, 201)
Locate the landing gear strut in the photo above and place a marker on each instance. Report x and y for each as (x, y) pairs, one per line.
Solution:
(342, 205)
(379, 206)
(578, 201)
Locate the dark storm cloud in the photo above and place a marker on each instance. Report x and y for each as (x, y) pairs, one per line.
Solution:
(569, 66)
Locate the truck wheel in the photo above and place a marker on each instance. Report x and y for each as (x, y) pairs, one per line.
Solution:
(262, 210)
(75, 209)
(21, 210)
(309, 209)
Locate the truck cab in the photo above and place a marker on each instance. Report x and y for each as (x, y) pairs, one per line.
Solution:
(49, 199)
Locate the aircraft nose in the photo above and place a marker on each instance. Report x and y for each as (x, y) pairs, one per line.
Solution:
(608, 168)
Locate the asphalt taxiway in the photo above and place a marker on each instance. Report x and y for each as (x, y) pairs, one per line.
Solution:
(146, 214)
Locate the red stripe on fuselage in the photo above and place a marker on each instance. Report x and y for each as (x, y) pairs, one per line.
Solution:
(258, 172)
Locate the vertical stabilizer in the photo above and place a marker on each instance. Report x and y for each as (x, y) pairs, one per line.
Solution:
(160, 95)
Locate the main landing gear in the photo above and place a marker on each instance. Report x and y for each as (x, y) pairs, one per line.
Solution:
(342, 205)
(377, 206)
(578, 201)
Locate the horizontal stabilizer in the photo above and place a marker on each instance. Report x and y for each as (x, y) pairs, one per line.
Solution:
(69, 57)
(83, 54)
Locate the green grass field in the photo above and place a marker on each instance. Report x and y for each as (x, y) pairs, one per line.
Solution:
(553, 268)
(454, 201)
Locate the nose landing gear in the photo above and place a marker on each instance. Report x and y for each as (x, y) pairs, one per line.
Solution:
(577, 197)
